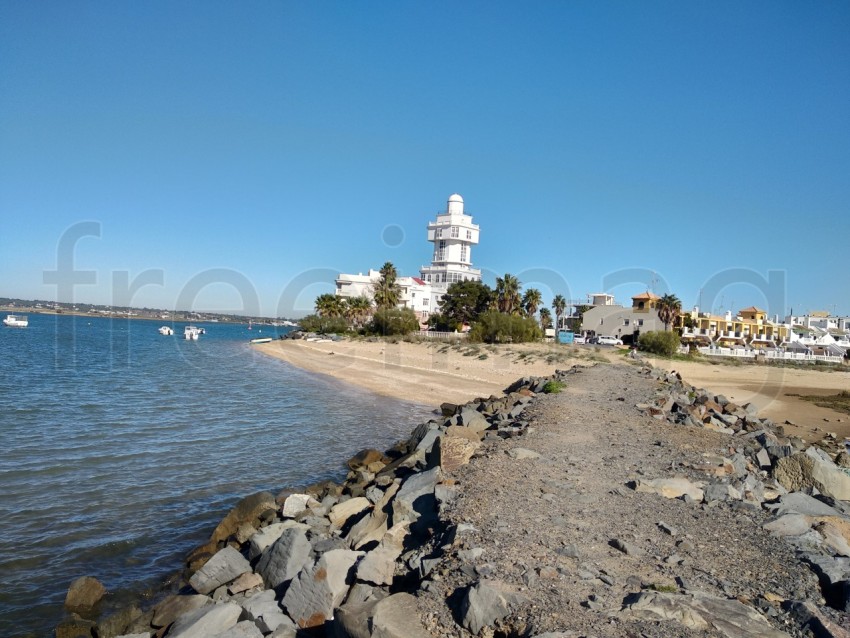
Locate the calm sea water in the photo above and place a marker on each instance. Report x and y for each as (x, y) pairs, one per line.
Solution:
(123, 448)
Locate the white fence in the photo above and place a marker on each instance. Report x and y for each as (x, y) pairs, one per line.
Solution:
(740, 353)
(772, 355)
(441, 336)
(802, 356)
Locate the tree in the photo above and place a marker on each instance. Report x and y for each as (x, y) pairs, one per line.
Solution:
(531, 301)
(498, 327)
(329, 305)
(508, 300)
(386, 290)
(323, 325)
(394, 321)
(357, 310)
(559, 305)
(464, 301)
(668, 308)
(664, 343)
(545, 318)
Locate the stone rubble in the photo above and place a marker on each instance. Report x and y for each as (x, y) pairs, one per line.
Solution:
(352, 560)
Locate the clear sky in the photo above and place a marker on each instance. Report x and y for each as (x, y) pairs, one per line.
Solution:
(247, 152)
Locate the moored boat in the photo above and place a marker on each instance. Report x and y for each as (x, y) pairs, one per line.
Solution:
(16, 321)
(191, 332)
(166, 330)
(262, 340)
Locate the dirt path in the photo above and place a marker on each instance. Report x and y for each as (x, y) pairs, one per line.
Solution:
(545, 525)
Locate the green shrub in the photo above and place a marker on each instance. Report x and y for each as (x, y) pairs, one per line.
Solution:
(553, 387)
(323, 325)
(665, 344)
(498, 327)
(394, 321)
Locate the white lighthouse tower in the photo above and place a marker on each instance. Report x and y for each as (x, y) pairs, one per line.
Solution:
(453, 235)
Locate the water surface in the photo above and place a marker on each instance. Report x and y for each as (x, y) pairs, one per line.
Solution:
(123, 448)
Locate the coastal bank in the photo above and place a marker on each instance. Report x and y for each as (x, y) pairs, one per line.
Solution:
(629, 503)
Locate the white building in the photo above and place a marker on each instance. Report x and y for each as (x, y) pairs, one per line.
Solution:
(453, 235)
(415, 293)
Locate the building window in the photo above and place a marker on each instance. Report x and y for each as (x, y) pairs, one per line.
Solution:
(640, 322)
(625, 322)
(455, 231)
(469, 234)
(463, 253)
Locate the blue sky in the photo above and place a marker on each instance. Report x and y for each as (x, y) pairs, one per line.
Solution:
(697, 148)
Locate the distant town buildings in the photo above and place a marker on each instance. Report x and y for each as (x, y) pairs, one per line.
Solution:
(453, 235)
(750, 328)
(609, 319)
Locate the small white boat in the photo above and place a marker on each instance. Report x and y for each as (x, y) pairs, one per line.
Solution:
(16, 321)
(166, 330)
(262, 340)
(192, 333)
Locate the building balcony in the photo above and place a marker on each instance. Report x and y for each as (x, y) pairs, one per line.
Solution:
(696, 334)
(731, 335)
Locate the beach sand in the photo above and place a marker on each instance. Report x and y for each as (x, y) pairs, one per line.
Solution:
(769, 388)
(431, 373)
(427, 373)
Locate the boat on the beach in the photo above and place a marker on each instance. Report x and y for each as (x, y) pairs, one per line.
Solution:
(262, 340)
(16, 321)
(192, 333)
(166, 330)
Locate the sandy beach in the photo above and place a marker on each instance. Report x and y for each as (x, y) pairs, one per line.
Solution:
(427, 373)
(430, 373)
(769, 388)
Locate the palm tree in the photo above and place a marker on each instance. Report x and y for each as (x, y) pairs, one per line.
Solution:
(545, 318)
(531, 301)
(508, 300)
(386, 290)
(559, 305)
(329, 305)
(357, 309)
(668, 308)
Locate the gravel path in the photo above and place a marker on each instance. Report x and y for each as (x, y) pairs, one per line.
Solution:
(547, 527)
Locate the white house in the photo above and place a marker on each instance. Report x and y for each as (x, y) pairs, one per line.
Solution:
(453, 235)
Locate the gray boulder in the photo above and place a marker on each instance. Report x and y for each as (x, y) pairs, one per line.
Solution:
(809, 470)
(175, 606)
(265, 612)
(800, 503)
(702, 612)
(378, 566)
(482, 606)
(248, 510)
(341, 512)
(206, 621)
(406, 505)
(319, 589)
(397, 617)
(222, 568)
(267, 536)
(283, 560)
(244, 629)
(473, 420)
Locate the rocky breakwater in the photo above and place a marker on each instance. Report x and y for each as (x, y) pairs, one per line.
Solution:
(332, 559)
(804, 488)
